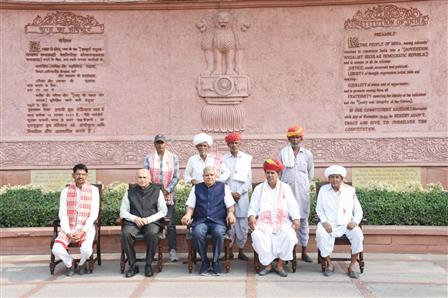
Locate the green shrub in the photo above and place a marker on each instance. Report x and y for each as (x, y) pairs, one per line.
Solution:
(182, 192)
(28, 206)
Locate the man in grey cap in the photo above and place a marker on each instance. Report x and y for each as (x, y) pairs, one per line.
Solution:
(164, 168)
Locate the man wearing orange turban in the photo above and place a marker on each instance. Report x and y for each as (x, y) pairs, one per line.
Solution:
(239, 182)
(298, 174)
(274, 216)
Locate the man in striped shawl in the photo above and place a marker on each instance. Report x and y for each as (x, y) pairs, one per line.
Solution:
(163, 166)
(78, 210)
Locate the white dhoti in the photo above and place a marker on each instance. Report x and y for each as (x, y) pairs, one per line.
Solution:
(85, 250)
(325, 240)
(271, 246)
(239, 231)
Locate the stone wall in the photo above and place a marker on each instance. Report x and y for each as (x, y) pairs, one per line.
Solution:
(93, 82)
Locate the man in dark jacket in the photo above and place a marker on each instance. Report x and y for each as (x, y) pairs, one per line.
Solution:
(141, 209)
(210, 207)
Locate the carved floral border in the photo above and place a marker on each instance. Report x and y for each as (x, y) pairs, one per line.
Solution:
(123, 154)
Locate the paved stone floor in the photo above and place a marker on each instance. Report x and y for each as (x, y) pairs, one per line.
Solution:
(386, 275)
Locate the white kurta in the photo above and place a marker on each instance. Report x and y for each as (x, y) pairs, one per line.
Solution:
(195, 168)
(268, 240)
(298, 174)
(338, 209)
(86, 247)
(240, 181)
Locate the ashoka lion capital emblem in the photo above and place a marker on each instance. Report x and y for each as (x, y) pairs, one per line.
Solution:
(223, 83)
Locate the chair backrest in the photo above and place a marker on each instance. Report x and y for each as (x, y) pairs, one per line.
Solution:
(100, 211)
(254, 184)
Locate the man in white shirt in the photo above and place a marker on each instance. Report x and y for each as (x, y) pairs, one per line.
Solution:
(339, 213)
(78, 210)
(197, 163)
(298, 174)
(274, 217)
(142, 208)
(239, 182)
(210, 208)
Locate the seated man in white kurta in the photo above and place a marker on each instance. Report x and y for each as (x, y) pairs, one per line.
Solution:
(78, 210)
(274, 217)
(339, 213)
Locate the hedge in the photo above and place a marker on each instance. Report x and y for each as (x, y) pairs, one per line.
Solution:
(31, 207)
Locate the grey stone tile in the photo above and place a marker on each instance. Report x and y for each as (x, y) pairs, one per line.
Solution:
(414, 290)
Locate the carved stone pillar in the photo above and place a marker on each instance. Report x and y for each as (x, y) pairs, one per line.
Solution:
(222, 85)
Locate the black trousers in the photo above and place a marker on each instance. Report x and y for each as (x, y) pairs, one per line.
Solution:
(130, 230)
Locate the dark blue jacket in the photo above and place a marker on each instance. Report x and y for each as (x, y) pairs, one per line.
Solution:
(210, 204)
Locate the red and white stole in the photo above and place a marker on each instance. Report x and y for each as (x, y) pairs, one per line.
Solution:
(77, 213)
(167, 171)
(273, 217)
(217, 162)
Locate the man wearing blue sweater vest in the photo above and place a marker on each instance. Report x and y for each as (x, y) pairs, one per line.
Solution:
(210, 207)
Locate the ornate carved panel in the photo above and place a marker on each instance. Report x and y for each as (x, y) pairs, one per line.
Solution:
(65, 23)
(386, 16)
(223, 83)
(98, 154)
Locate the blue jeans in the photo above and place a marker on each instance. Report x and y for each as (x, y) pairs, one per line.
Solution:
(199, 235)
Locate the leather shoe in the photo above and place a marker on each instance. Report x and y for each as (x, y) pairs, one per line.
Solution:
(148, 271)
(328, 272)
(281, 272)
(243, 257)
(306, 258)
(265, 271)
(82, 269)
(71, 271)
(133, 270)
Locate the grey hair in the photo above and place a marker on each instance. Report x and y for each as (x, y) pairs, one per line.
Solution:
(209, 169)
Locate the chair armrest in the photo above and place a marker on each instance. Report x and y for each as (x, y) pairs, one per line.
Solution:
(363, 222)
(54, 222)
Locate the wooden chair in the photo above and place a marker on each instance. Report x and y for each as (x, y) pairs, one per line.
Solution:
(192, 249)
(339, 240)
(56, 223)
(140, 237)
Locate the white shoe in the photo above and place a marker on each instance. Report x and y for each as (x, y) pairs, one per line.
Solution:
(173, 255)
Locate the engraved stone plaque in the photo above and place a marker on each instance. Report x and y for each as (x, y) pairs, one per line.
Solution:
(53, 180)
(393, 176)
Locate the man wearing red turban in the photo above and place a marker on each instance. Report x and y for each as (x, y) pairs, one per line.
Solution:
(298, 174)
(239, 182)
(274, 216)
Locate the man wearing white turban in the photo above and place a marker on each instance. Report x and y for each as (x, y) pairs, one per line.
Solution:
(339, 213)
(197, 162)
